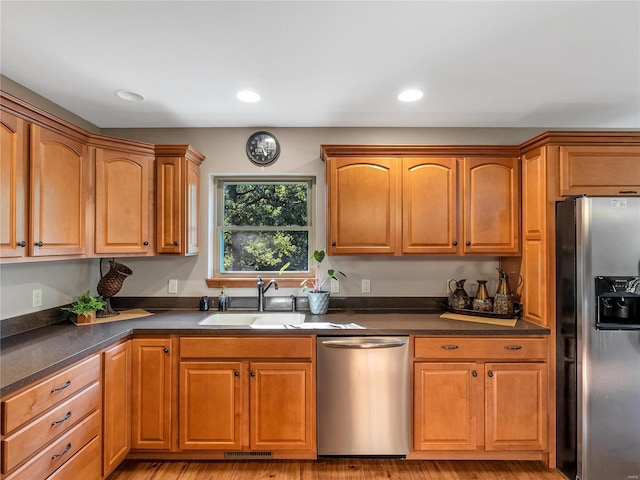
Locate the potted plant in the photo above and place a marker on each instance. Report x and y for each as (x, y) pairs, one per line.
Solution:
(85, 307)
(318, 298)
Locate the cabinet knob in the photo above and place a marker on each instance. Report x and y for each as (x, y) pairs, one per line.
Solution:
(166, 350)
(253, 374)
(455, 243)
(22, 244)
(175, 244)
(236, 373)
(145, 243)
(333, 244)
(490, 373)
(468, 244)
(474, 373)
(38, 244)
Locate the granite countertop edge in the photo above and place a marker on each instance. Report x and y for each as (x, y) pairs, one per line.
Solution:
(31, 356)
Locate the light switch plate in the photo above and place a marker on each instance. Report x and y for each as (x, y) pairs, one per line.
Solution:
(173, 285)
(366, 285)
(36, 297)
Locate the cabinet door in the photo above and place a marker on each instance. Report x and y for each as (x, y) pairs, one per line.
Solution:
(516, 406)
(116, 406)
(192, 214)
(14, 178)
(491, 206)
(123, 204)
(282, 399)
(169, 205)
(429, 213)
(448, 406)
(59, 179)
(364, 205)
(151, 394)
(211, 405)
(600, 170)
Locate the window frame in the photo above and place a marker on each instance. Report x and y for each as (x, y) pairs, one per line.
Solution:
(218, 279)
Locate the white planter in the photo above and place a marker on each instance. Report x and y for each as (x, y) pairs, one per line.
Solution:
(318, 302)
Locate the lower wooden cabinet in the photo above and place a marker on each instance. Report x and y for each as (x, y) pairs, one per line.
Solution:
(116, 406)
(151, 393)
(260, 398)
(465, 401)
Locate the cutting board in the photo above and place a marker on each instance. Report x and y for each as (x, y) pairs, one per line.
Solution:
(506, 322)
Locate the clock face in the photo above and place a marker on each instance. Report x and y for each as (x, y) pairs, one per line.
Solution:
(263, 148)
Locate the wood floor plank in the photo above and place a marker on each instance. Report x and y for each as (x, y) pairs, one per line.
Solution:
(334, 469)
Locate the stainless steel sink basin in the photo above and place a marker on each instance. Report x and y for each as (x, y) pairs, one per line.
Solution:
(254, 318)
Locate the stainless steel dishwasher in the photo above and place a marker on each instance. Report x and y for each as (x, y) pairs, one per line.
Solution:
(363, 395)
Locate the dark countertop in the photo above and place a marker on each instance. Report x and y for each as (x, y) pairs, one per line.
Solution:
(30, 356)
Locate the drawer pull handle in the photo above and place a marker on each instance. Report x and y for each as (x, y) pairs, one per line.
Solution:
(68, 447)
(449, 347)
(63, 419)
(513, 347)
(57, 389)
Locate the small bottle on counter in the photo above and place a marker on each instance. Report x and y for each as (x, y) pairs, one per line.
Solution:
(204, 303)
(222, 301)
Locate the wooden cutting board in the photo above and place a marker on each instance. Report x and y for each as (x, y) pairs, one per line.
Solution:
(124, 315)
(506, 322)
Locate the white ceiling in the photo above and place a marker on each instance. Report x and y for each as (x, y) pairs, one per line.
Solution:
(548, 64)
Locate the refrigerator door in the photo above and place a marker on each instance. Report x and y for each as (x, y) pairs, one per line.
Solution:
(607, 243)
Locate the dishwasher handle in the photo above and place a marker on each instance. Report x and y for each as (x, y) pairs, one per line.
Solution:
(360, 345)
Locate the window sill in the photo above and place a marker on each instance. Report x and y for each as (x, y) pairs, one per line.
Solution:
(250, 282)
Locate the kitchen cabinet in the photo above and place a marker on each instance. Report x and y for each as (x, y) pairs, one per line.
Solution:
(59, 194)
(480, 395)
(151, 381)
(599, 170)
(247, 394)
(178, 199)
(124, 221)
(46, 424)
(422, 205)
(14, 184)
(116, 405)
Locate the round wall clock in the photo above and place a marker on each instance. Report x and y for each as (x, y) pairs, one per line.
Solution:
(263, 148)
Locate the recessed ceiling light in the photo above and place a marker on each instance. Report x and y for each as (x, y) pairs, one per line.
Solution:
(129, 96)
(248, 96)
(410, 96)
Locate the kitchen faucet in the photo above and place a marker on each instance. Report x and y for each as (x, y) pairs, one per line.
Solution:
(262, 290)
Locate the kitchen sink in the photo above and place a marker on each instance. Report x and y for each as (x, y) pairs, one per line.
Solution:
(254, 318)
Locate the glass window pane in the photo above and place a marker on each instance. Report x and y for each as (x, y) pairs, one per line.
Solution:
(265, 204)
(264, 251)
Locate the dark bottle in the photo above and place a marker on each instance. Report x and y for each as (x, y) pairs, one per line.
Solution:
(204, 303)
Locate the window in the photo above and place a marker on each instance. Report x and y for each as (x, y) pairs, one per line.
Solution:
(261, 225)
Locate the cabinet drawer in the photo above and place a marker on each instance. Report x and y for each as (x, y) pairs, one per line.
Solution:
(42, 396)
(85, 464)
(57, 453)
(247, 347)
(56, 421)
(506, 348)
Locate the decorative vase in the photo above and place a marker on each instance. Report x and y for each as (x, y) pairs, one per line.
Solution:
(110, 284)
(482, 302)
(458, 299)
(318, 302)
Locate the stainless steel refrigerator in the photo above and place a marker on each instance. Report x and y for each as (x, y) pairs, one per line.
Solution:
(598, 338)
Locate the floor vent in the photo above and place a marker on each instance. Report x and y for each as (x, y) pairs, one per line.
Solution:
(248, 454)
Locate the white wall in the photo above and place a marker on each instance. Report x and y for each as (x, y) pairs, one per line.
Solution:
(225, 152)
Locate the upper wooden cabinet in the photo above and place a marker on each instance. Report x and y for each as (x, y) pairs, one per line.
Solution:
(124, 202)
(422, 205)
(14, 183)
(178, 199)
(59, 194)
(599, 170)
(364, 205)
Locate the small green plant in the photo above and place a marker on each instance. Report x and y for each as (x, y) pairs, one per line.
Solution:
(85, 304)
(315, 284)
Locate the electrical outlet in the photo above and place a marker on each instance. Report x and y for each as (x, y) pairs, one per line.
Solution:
(335, 285)
(36, 297)
(173, 285)
(366, 285)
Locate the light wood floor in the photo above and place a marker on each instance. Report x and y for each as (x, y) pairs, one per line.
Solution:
(333, 469)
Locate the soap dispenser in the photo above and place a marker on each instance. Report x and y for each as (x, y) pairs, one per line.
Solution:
(222, 301)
